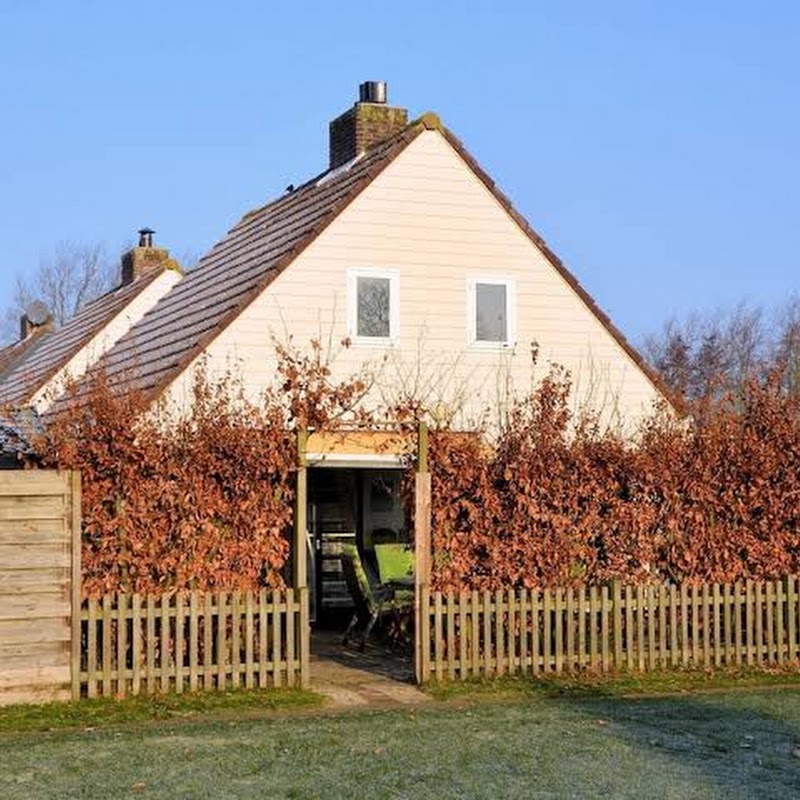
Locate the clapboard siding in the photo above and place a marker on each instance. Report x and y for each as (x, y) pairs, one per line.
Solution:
(428, 216)
(39, 555)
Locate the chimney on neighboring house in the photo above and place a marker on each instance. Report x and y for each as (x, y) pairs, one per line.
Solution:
(37, 318)
(368, 123)
(144, 258)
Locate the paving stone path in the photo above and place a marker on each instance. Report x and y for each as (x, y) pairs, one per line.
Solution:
(378, 677)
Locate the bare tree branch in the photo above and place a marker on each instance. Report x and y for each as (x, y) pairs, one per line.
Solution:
(75, 274)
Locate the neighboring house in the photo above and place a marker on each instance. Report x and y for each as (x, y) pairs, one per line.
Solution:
(35, 371)
(407, 248)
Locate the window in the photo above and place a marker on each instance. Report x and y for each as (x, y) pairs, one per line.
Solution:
(373, 303)
(491, 312)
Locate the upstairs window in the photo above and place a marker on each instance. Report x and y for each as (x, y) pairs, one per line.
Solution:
(491, 312)
(373, 303)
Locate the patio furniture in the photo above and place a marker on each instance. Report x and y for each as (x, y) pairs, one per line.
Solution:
(395, 563)
(372, 603)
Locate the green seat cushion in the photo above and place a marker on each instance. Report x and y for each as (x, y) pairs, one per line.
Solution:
(395, 561)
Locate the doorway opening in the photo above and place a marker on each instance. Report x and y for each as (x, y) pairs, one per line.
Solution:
(349, 506)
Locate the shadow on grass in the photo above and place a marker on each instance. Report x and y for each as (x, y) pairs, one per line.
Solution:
(745, 743)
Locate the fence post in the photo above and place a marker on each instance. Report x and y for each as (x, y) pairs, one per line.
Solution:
(75, 580)
(422, 551)
(300, 511)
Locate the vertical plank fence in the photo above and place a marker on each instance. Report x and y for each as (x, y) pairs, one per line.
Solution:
(39, 584)
(188, 641)
(641, 628)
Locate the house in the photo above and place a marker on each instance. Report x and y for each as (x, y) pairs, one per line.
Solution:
(405, 247)
(36, 370)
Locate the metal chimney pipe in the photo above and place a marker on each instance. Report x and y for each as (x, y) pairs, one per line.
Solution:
(372, 92)
(146, 237)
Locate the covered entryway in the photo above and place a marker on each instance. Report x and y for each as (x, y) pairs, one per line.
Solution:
(352, 507)
(362, 507)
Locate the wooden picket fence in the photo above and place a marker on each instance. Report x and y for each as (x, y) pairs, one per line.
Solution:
(608, 628)
(133, 644)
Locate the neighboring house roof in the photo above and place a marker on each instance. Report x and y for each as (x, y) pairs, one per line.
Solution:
(11, 355)
(17, 430)
(52, 352)
(261, 245)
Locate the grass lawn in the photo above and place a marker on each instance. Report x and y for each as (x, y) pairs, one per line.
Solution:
(731, 745)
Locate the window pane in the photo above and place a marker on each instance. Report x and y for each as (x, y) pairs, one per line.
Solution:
(374, 307)
(491, 314)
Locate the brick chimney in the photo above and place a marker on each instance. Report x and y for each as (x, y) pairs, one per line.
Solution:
(368, 123)
(144, 258)
(36, 319)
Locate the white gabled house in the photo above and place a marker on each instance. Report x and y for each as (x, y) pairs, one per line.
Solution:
(406, 247)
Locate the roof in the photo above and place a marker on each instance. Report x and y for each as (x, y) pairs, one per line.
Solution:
(17, 430)
(261, 245)
(14, 353)
(52, 352)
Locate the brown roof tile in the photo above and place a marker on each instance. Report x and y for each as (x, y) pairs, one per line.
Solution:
(14, 353)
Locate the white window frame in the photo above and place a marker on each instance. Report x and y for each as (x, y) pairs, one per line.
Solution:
(511, 312)
(393, 276)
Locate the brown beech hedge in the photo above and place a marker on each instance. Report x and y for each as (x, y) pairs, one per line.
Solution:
(206, 500)
(556, 501)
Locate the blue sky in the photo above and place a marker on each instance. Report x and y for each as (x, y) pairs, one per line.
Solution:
(655, 146)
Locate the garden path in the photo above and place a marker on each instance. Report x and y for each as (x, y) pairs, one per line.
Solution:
(378, 677)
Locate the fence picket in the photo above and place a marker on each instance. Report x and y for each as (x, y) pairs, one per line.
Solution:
(727, 620)
(673, 626)
(716, 624)
(291, 670)
(640, 646)
(759, 615)
(136, 645)
(277, 650)
(236, 639)
(546, 635)
(499, 632)
(438, 637)
(249, 674)
(697, 633)
(178, 640)
(122, 643)
(487, 634)
(222, 644)
(685, 643)
(605, 637)
(91, 643)
(463, 666)
(651, 627)
(263, 639)
(769, 609)
(791, 617)
(107, 646)
(570, 624)
(208, 642)
(581, 625)
(617, 623)
(523, 632)
(779, 622)
(194, 643)
(629, 630)
(706, 626)
(151, 644)
(558, 619)
(535, 632)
